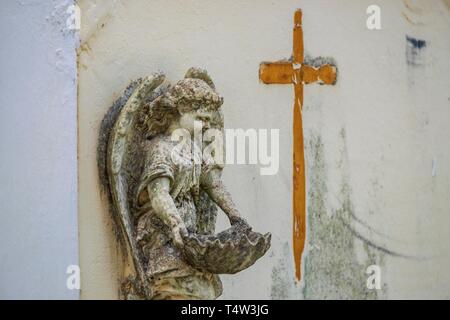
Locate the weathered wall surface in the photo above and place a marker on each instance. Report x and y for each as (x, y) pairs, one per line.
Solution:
(376, 142)
(38, 150)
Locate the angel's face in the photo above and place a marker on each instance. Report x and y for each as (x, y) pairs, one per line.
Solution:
(192, 120)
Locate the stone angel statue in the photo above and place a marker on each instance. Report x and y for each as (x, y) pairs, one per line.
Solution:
(165, 194)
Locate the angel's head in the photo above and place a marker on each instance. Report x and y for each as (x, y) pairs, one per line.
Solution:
(192, 99)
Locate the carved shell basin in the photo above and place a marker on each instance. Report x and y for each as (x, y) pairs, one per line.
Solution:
(227, 252)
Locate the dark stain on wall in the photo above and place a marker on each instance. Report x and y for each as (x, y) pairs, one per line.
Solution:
(415, 51)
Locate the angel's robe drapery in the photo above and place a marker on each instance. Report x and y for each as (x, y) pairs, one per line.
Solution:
(182, 165)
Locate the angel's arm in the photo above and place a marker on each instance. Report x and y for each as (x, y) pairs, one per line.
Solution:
(164, 207)
(214, 187)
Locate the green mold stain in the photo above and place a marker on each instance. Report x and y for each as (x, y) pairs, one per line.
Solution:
(331, 267)
(283, 276)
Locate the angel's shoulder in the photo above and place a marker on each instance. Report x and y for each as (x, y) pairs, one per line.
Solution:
(158, 146)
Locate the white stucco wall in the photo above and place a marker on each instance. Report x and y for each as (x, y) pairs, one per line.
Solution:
(38, 150)
(376, 142)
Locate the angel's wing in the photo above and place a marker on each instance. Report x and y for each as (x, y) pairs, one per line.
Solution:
(125, 161)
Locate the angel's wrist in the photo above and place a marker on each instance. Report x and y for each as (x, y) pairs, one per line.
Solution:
(234, 218)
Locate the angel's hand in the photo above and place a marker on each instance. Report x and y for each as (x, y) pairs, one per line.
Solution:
(178, 232)
(240, 223)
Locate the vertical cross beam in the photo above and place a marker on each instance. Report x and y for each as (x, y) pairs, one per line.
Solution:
(295, 72)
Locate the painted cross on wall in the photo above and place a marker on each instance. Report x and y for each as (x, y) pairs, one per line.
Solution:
(295, 72)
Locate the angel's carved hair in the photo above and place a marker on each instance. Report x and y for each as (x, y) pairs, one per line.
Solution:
(195, 92)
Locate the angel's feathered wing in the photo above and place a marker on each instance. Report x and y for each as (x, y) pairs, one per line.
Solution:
(124, 162)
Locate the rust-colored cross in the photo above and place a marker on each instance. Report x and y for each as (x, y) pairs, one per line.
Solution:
(294, 72)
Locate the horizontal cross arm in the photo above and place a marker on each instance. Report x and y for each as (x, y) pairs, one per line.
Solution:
(325, 74)
(276, 72)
